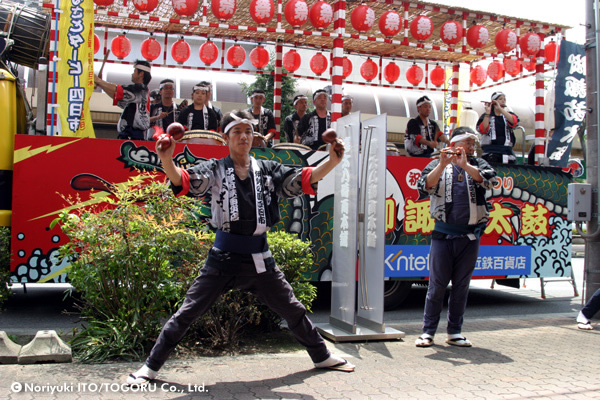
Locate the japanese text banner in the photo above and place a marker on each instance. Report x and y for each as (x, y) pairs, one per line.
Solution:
(75, 67)
(569, 103)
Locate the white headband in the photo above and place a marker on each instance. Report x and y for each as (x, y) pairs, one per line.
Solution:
(318, 93)
(497, 94)
(162, 85)
(142, 67)
(258, 94)
(300, 98)
(200, 88)
(237, 121)
(423, 102)
(463, 136)
(347, 98)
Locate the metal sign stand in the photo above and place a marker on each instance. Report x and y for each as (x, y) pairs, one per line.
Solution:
(359, 228)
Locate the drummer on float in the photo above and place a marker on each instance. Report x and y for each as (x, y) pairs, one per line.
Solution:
(423, 135)
(165, 112)
(264, 116)
(197, 116)
(290, 126)
(313, 124)
(209, 103)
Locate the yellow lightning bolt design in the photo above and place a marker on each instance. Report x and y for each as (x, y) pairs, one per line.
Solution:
(96, 197)
(27, 152)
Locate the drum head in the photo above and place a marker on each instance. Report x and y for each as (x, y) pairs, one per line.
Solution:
(291, 146)
(198, 136)
(392, 150)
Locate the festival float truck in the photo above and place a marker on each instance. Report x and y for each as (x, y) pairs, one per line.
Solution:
(528, 235)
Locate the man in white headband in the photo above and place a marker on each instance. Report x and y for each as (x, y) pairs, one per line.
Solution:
(456, 185)
(346, 105)
(423, 135)
(209, 102)
(244, 211)
(197, 116)
(313, 124)
(266, 120)
(165, 112)
(290, 125)
(133, 99)
(496, 126)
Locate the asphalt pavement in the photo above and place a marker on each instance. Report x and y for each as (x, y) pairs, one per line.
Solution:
(523, 347)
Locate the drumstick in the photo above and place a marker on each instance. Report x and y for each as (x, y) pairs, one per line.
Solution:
(102, 66)
(103, 62)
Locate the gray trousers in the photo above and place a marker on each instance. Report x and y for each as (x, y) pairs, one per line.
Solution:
(449, 260)
(270, 288)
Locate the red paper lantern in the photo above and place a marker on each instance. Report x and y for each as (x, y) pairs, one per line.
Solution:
(296, 12)
(478, 75)
(292, 61)
(362, 18)
(478, 36)
(321, 15)
(185, 8)
(437, 76)
(223, 9)
(96, 43)
(451, 32)
(259, 57)
(495, 71)
(120, 46)
(150, 49)
(391, 72)
(369, 70)
(145, 6)
(262, 11)
(318, 63)
(181, 51)
(390, 23)
(236, 55)
(347, 67)
(209, 52)
(414, 75)
(506, 40)
(530, 44)
(421, 28)
(103, 3)
(530, 66)
(552, 51)
(512, 67)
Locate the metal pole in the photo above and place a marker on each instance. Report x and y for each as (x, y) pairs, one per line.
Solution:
(592, 269)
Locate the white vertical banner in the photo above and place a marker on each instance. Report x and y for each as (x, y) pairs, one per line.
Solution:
(372, 223)
(345, 223)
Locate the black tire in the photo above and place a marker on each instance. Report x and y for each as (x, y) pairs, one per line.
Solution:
(395, 292)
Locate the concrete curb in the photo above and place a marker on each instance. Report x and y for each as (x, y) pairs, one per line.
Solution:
(46, 346)
(9, 350)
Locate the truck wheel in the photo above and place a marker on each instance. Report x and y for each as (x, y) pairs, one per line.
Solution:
(395, 292)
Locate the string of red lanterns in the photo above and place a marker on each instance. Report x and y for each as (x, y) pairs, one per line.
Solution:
(362, 18)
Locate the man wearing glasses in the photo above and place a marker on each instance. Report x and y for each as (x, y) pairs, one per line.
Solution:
(456, 185)
(164, 113)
